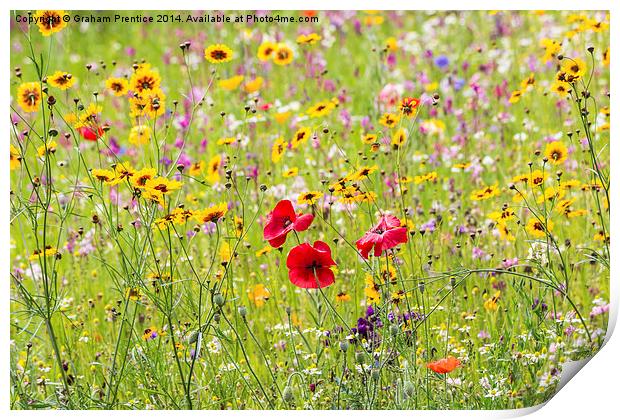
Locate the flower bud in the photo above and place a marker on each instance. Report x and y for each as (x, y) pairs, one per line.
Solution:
(243, 311)
(344, 346)
(219, 300)
(287, 394)
(409, 389)
(359, 357)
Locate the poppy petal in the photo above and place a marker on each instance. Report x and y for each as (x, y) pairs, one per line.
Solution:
(303, 222)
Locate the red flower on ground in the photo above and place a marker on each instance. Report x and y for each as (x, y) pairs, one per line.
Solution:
(309, 265)
(446, 365)
(282, 220)
(90, 134)
(385, 235)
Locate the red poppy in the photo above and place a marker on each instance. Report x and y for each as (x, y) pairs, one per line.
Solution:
(446, 365)
(89, 133)
(282, 220)
(308, 266)
(385, 235)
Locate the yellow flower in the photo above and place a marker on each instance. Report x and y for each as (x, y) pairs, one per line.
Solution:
(140, 134)
(253, 85)
(37, 253)
(15, 158)
(485, 193)
(343, 297)
(218, 53)
(289, 173)
(90, 116)
(231, 83)
(369, 138)
(560, 88)
(150, 103)
(29, 96)
(503, 216)
(309, 39)
(178, 216)
(225, 252)
(139, 178)
(162, 185)
(106, 176)
(537, 178)
(606, 57)
(391, 44)
(301, 136)
(264, 250)
(265, 51)
(226, 140)
(213, 173)
(552, 49)
(429, 177)
(310, 197)
(282, 55)
(371, 291)
(50, 21)
(49, 148)
(601, 236)
(551, 194)
(211, 214)
(144, 79)
(61, 80)
(320, 109)
(574, 68)
(197, 168)
(504, 233)
(119, 86)
(281, 117)
(259, 295)
(515, 96)
(536, 228)
(124, 170)
(362, 173)
(556, 152)
(389, 120)
(399, 138)
(278, 149)
(529, 81)
(491, 303)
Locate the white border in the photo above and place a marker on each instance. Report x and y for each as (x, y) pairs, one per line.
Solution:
(593, 394)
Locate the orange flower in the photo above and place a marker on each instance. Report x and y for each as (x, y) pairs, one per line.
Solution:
(446, 365)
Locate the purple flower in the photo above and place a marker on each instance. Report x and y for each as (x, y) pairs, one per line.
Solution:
(442, 61)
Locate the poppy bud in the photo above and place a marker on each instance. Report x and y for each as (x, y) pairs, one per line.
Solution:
(219, 300)
(359, 357)
(421, 286)
(243, 311)
(193, 337)
(287, 394)
(394, 330)
(409, 389)
(344, 346)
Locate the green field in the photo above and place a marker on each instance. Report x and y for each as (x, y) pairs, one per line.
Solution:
(453, 165)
